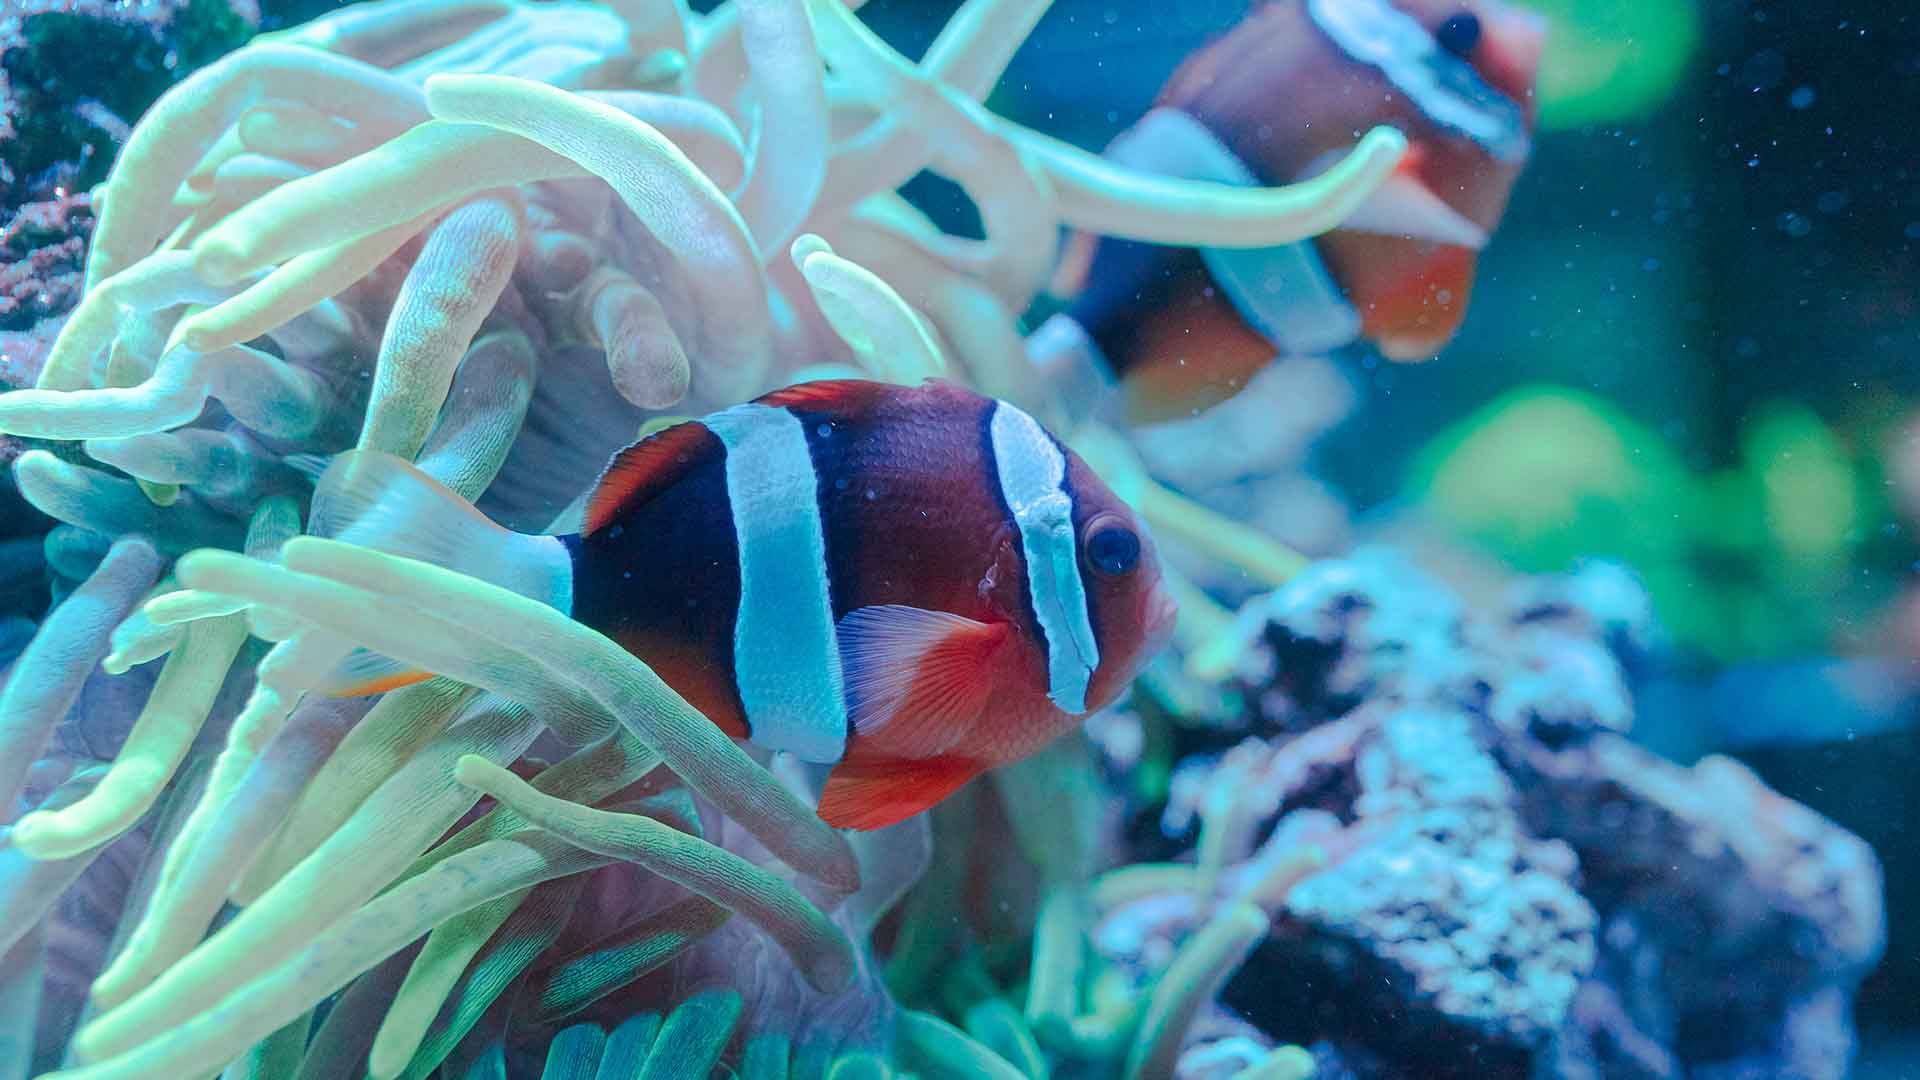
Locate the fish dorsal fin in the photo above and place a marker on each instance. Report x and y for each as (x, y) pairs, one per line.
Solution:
(848, 394)
(917, 679)
(877, 793)
(646, 468)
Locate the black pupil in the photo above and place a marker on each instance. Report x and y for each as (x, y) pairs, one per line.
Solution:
(1113, 551)
(1459, 34)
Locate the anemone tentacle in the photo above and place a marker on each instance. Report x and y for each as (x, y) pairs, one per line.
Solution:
(497, 239)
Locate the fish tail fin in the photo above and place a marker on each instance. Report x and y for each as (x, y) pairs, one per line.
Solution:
(378, 501)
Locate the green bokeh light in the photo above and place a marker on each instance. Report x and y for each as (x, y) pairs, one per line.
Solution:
(1608, 60)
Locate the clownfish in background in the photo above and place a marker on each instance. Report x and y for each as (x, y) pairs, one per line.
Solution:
(914, 584)
(1279, 98)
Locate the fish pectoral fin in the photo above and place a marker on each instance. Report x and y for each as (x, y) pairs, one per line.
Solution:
(874, 794)
(366, 672)
(1404, 206)
(916, 679)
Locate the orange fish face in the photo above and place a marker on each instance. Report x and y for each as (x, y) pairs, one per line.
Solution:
(1457, 77)
(1298, 81)
(1132, 611)
(1500, 45)
(1410, 289)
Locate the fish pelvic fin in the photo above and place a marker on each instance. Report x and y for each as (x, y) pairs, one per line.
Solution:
(875, 793)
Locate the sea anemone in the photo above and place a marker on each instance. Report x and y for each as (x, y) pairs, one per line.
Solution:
(494, 239)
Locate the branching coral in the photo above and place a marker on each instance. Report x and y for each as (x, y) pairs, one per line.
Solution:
(491, 237)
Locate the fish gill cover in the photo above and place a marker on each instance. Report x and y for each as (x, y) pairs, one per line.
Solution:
(1361, 828)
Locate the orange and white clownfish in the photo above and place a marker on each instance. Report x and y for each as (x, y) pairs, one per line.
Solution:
(1277, 99)
(914, 584)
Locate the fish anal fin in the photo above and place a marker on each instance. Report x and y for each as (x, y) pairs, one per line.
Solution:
(918, 680)
(1411, 294)
(876, 793)
(651, 464)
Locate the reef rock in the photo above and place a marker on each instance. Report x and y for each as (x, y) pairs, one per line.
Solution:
(43, 253)
(1449, 941)
(1512, 888)
(1361, 629)
(74, 74)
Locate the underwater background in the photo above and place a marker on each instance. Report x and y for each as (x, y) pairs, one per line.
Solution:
(1584, 745)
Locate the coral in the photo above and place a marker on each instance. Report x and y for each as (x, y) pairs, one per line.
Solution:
(44, 246)
(1471, 870)
(75, 74)
(496, 239)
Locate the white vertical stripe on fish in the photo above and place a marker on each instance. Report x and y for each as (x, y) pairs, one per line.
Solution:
(785, 656)
(1445, 87)
(1033, 473)
(1284, 292)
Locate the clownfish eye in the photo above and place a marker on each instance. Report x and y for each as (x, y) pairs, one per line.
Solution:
(1459, 34)
(1113, 549)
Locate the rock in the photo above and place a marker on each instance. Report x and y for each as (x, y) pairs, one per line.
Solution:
(1703, 877)
(1351, 630)
(76, 74)
(1602, 601)
(1450, 943)
(43, 256)
(1511, 886)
